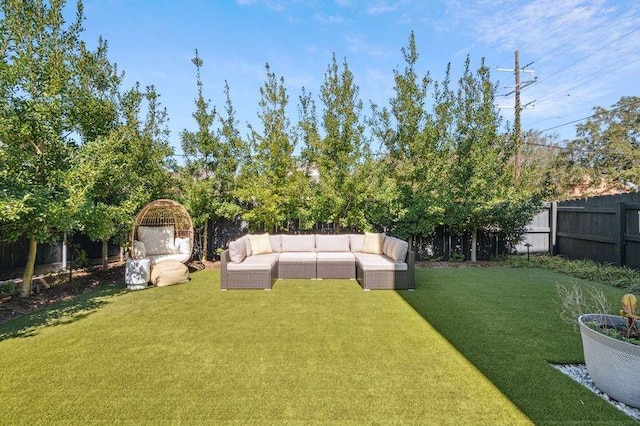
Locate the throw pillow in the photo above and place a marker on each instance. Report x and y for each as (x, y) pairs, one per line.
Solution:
(372, 243)
(237, 250)
(157, 239)
(183, 245)
(260, 244)
(398, 251)
(139, 250)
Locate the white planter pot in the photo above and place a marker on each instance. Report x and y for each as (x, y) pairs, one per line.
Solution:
(614, 365)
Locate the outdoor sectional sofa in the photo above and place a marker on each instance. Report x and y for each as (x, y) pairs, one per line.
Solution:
(377, 261)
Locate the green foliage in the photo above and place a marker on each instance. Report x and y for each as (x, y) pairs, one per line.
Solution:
(45, 79)
(270, 183)
(414, 160)
(337, 156)
(607, 148)
(75, 154)
(117, 173)
(214, 156)
(616, 276)
(7, 289)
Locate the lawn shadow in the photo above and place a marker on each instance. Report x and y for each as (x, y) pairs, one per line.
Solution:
(60, 313)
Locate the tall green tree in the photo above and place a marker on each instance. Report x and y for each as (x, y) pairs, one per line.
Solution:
(408, 132)
(269, 182)
(96, 113)
(606, 150)
(482, 192)
(40, 80)
(309, 140)
(118, 172)
(214, 155)
(339, 193)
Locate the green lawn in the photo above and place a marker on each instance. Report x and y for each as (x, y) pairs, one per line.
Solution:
(468, 346)
(505, 321)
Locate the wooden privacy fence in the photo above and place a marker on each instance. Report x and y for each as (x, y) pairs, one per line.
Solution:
(604, 229)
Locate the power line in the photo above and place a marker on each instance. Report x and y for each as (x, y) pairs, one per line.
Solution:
(590, 34)
(589, 55)
(586, 77)
(628, 13)
(637, 103)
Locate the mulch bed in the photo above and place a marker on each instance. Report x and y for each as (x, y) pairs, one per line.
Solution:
(53, 288)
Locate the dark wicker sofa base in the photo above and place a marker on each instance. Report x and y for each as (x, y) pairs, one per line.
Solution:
(368, 279)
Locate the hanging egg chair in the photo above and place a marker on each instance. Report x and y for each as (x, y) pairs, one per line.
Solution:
(162, 230)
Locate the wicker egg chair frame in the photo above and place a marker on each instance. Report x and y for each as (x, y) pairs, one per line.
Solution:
(165, 212)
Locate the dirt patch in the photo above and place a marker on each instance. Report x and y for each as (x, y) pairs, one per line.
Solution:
(53, 288)
(56, 287)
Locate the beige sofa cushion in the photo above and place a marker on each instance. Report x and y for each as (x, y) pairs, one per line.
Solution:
(377, 262)
(339, 256)
(259, 262)
(157, 239)
(372, 243)
(276, 243)
(260, 244)
(386, 244)
(238, 250)
(332, 243)
(355, 242)
(395, 248)
(169, 272)
(298, 243)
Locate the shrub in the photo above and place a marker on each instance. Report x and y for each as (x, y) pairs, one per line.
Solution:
(616, 276)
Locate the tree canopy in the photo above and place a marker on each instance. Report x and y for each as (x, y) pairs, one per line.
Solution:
(81, 153)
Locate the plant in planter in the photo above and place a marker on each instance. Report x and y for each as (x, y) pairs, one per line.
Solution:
(612, 352)
(611, 343)
(628, 311)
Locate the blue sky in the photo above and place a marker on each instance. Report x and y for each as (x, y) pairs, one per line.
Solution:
(585, 53)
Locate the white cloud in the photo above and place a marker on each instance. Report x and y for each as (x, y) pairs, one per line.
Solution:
(585, 52)
(380, 7)
(330, 19)
(358, 45)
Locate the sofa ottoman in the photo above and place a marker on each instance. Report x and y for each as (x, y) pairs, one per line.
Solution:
(169, 272)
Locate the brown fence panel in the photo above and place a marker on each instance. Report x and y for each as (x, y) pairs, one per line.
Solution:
(632, 235)
(602, 228)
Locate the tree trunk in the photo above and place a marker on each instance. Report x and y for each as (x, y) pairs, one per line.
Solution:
(121, 254)
(25, 290)
(205, 239)
(105, 254)
(474, 244)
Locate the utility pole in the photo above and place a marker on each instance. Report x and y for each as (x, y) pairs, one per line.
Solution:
(517, 127)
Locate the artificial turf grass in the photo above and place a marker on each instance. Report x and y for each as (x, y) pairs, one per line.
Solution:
(308, 351)
(505, 321)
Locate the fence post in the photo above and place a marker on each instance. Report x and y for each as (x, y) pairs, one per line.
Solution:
(621, 228)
